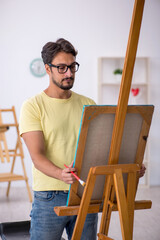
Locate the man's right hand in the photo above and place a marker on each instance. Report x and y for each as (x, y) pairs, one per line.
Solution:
(67, 176)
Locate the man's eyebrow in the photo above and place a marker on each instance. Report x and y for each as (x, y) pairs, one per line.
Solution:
(64, 64)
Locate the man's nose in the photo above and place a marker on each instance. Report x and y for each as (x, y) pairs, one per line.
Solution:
(69, 72)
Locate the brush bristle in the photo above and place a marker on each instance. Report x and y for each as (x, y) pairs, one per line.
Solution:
(82, 183)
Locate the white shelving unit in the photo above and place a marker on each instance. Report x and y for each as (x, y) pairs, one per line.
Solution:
(109, 85)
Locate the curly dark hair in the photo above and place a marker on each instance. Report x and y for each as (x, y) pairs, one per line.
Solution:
(51, 49)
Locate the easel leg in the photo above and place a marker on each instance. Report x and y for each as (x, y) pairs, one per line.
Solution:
(12, 168)
(18, 145)
(84, 206)
(107, 209)
(1, 153)
(131, 191)
(122, 205)
(108, 216)
(103, 237)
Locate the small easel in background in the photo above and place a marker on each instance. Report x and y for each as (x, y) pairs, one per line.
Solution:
(6, 153)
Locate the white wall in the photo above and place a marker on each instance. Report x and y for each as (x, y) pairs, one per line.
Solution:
(96, 28)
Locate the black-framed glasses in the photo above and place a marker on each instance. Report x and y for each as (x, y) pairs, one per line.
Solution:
(63, 68)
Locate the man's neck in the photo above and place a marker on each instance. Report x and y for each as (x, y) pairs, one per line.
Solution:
(61, 94)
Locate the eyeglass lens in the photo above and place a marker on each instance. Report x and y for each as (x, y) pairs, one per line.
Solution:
(73, 67)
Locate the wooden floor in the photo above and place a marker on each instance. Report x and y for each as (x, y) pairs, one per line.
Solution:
(146, 225)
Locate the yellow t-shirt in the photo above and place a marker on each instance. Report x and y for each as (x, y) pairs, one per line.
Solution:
(59, 120)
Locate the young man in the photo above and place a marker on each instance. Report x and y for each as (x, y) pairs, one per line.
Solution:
(49, 125)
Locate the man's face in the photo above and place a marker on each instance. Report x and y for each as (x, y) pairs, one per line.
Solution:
(63, 80)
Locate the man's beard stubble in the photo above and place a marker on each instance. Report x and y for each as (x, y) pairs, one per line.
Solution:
(60, 85)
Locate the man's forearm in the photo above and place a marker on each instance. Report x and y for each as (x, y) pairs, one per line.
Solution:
(43, 164)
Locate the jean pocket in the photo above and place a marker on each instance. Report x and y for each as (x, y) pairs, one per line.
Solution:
(44, 195)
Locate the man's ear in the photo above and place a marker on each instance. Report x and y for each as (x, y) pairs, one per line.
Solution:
(48, 69)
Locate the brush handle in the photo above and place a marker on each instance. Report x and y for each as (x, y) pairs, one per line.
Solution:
(73, 173)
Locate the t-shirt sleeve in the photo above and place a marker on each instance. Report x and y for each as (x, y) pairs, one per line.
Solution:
(29, 118)
(91, 101)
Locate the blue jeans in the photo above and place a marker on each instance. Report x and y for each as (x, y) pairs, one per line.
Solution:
(46, 225)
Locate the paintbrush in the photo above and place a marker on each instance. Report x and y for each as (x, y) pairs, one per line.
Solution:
(79, 180)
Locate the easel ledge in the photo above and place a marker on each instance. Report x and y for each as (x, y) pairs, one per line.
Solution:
(96, 206)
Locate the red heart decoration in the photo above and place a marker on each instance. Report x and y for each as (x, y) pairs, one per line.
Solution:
(135, 91)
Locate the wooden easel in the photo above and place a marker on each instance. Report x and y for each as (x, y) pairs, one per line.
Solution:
(99, 195)
(114, 184)
(6, 153)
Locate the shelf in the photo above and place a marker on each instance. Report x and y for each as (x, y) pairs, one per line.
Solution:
(109, 85)
(118, 84)
(108, 65)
